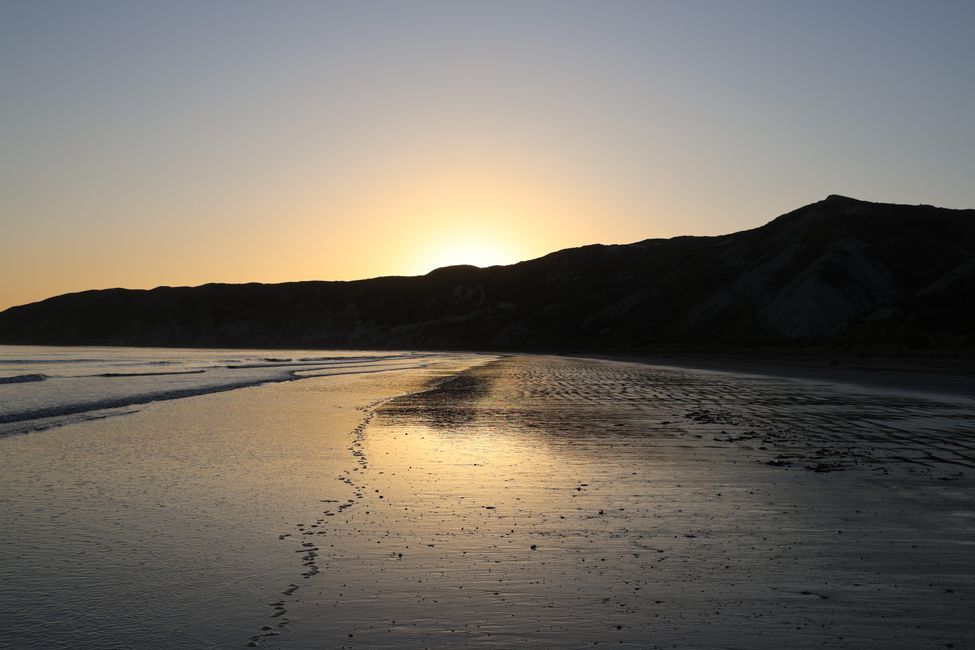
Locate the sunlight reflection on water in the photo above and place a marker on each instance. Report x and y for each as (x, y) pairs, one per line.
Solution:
(532, 502)
(562, 503)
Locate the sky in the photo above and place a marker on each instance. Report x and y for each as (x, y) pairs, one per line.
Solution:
(180, 143)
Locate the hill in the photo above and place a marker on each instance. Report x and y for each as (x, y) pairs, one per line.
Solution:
(839, 271)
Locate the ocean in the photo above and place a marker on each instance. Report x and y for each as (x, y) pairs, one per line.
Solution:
(41, 387)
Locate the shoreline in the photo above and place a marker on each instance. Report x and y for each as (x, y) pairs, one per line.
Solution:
(68, 387)
(204, 502)
(531, 500)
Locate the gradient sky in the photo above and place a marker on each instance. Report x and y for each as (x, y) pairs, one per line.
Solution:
(150, 143)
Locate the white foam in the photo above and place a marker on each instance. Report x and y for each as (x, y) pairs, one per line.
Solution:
(42, 387)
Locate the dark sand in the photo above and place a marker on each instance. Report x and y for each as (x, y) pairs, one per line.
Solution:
(952, 373)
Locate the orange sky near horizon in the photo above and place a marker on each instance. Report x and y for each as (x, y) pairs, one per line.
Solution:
(148, 144)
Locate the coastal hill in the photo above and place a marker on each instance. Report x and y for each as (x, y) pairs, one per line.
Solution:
(840, 271)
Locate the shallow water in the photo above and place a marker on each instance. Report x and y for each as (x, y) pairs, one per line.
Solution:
(42, 387)
(528, 502)
(175, 525)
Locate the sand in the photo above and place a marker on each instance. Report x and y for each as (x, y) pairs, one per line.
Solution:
(529, 502)
(163, 528)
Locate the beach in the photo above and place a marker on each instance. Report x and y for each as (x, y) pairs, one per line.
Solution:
(161, 524)
(500, 501)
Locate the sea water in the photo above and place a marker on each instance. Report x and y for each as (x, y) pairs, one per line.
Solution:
(171, 523)
(42, 387)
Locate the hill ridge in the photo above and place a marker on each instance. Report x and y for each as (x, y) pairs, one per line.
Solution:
(894, 275)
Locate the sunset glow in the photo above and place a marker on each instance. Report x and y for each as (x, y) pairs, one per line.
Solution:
(476, 252)
(474, 323)
(239, 142)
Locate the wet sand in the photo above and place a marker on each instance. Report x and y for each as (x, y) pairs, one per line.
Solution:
(947, 373)
(530, 502)
(550, 502)
(179, 524)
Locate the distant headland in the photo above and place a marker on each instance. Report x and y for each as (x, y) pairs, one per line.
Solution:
(836, 272)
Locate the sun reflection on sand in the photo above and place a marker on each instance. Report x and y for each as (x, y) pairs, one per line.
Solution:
(544, 502)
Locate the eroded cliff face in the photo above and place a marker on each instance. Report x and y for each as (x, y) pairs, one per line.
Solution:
(839, 270)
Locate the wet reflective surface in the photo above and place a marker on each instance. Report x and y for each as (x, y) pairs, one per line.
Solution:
(548, 502)
(42, 387)
(528, 502)
(176, 525)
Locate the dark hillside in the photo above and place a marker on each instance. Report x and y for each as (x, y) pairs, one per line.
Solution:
(837, 271)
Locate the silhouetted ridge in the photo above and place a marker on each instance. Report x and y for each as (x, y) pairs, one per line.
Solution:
(836, 271)
(457, 270)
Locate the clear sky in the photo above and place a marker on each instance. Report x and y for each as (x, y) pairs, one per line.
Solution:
(150, 143)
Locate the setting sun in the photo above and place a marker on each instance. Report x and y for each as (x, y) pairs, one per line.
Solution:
(473, 251)
(422, 323)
